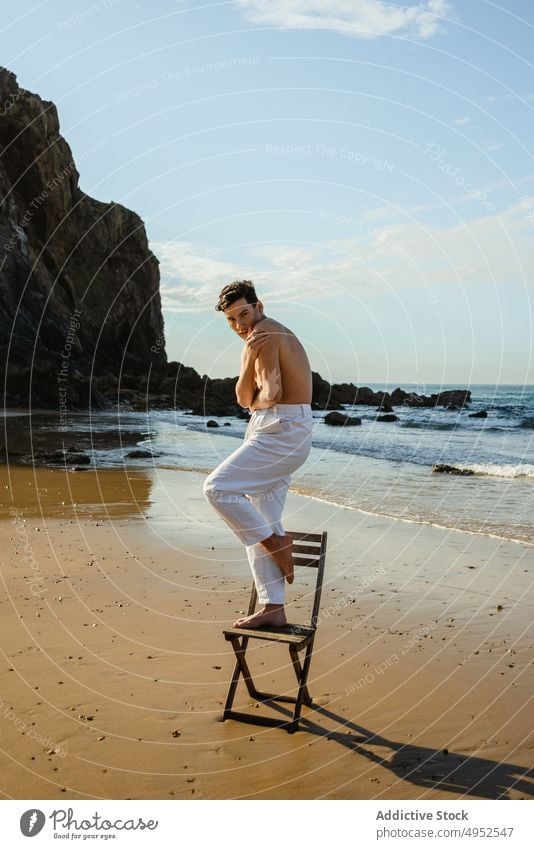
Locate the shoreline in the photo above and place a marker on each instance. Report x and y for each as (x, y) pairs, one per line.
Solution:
(413, 657)
(414, 521)
(357, 479)
(146, 471)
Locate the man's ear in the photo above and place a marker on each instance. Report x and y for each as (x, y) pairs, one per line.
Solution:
(259, 306)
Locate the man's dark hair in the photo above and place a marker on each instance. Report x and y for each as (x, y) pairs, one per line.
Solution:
(233, 291)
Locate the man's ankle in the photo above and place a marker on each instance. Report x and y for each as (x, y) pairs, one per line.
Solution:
(272, 540)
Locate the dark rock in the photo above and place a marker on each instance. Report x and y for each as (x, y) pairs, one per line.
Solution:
(82, 459)
(331, 397)
(458, 397)
(32, 439)
(340, 420)
(217, 398)
(384, 402)
(482, 414)
(387, 418)
(62, 458)
(79, 287)
(140, 454)
(451, 470)
(451, 407)
(227, 424)
(212, 423)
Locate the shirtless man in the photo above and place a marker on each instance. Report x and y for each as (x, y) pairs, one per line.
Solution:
(248, 489)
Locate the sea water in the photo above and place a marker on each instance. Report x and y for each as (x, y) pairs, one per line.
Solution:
(381, 467)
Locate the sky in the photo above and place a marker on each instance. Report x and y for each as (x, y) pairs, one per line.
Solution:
(368, 165)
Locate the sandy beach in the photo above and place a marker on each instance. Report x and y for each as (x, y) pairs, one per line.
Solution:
(114, 671)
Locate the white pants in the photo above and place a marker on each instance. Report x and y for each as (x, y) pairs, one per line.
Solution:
(249, 488)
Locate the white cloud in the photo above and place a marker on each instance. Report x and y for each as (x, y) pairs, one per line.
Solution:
(475, 194)
(496, 249)
(191, 277)
(461, 121)
(360, 18)
(503, 98)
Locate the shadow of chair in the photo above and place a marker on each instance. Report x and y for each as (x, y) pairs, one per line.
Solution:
(428, 768)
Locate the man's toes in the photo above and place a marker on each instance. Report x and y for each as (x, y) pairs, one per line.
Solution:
(239, 622)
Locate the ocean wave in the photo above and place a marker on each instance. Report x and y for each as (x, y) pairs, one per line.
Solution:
(502, 470)
(471, 424)
(473, 528)
(431, 425)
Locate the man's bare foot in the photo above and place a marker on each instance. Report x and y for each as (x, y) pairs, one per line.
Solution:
(272, 614)
(279, 547)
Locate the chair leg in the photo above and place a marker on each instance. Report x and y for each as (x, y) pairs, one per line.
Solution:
(241, 668)
(306, 698)
(302, 677)
(231, 691)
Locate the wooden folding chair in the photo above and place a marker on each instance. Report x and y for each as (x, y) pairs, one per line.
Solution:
(308, 550)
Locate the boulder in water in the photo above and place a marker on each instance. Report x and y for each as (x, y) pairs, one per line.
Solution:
(451, 470)
(340, 420)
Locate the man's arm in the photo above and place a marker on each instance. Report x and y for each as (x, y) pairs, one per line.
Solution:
(270, 375)
(245, 388)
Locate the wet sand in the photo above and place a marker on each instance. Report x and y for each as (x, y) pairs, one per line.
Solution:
(114, 670)
(29, 438)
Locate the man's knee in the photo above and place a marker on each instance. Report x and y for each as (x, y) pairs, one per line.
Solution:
(209, 488)
(219, 488)
(215, 489)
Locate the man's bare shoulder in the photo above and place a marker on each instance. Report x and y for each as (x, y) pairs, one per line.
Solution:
(278, 330)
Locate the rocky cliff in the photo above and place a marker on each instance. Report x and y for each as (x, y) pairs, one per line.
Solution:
(217, 397)
(79, 288)
(80, 311)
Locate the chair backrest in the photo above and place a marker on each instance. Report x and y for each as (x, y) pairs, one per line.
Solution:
(308, 550)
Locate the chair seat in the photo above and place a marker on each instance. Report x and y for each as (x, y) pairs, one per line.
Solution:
(297, 635)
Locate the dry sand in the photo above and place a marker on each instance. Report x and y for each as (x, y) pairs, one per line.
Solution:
(114, 670)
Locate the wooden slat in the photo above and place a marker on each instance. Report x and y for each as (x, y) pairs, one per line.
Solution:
(296, 548)
(278, 635)
(306, 561)
(303, 536)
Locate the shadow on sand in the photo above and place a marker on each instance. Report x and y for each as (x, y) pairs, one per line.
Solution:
(453, 772)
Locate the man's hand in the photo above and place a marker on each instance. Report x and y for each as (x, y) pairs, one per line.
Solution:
(255, 342)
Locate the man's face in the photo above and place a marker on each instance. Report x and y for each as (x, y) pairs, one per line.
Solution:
(242, 316)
